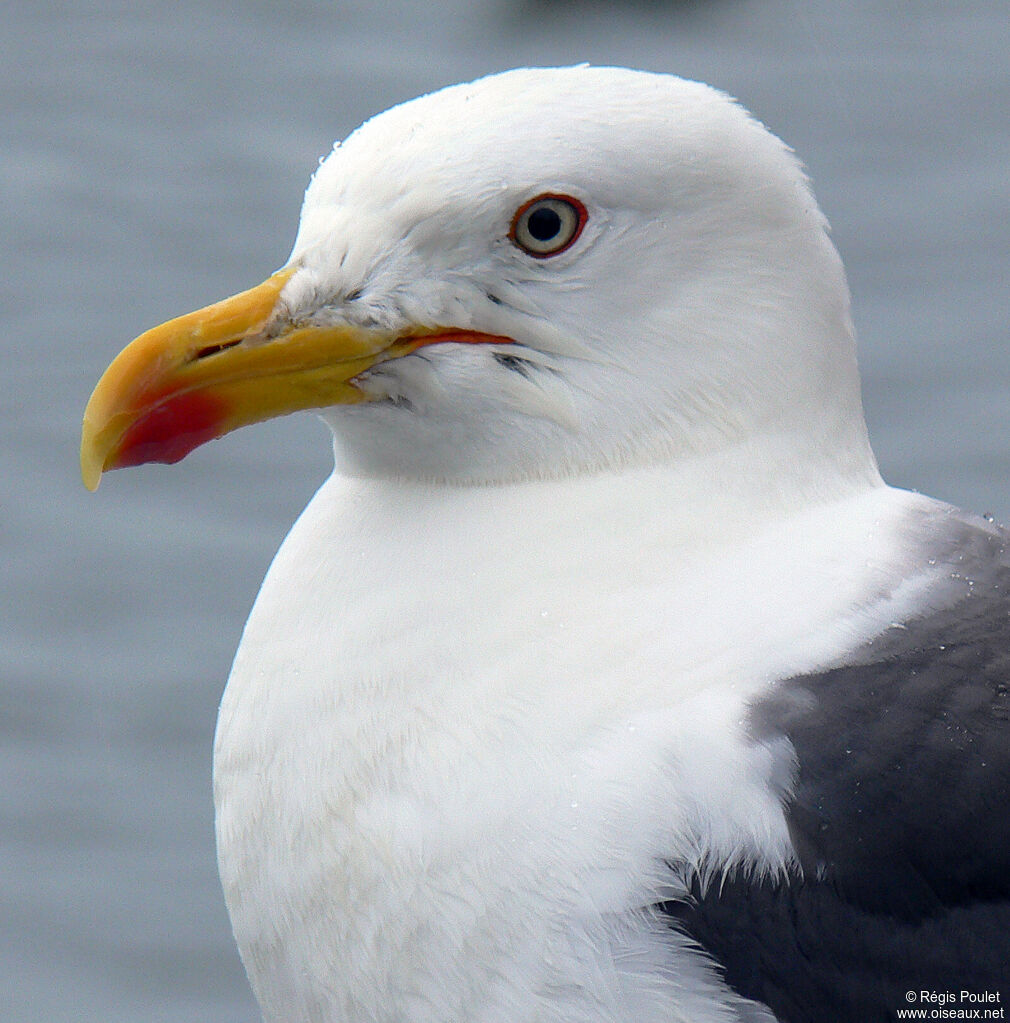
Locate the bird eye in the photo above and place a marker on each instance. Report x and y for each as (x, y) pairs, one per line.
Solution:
(548, 224)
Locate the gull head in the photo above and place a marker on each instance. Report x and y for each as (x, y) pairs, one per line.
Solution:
(542, 273)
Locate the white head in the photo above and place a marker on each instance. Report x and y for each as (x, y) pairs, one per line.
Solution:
(701, 303)
(701, 306)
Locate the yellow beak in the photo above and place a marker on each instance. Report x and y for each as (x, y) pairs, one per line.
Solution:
(207, 373)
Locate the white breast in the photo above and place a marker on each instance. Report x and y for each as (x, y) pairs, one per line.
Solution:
(467, 729)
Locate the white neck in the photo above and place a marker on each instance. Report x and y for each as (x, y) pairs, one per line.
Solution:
(419, 701)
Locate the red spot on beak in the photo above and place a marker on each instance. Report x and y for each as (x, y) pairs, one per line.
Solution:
(171, 430)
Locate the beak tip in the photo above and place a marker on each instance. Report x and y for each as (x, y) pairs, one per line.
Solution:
(91, 468)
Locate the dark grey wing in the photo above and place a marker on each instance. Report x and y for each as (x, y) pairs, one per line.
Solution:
(900, 817)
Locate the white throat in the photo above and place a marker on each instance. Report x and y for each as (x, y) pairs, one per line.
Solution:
(423, 706)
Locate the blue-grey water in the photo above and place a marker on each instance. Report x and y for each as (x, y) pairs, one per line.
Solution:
(152, 159)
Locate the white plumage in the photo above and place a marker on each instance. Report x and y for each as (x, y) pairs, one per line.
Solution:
(468, 727)
(466, 724)
(492, 713)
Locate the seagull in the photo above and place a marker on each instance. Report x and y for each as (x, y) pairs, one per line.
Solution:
(605, 679)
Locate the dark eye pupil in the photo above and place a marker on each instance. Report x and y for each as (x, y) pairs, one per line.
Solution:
(543, 224)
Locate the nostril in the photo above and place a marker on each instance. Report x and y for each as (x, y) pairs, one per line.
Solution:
(204, 353)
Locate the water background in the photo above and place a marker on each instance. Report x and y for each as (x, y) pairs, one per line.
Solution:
(152, 159)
